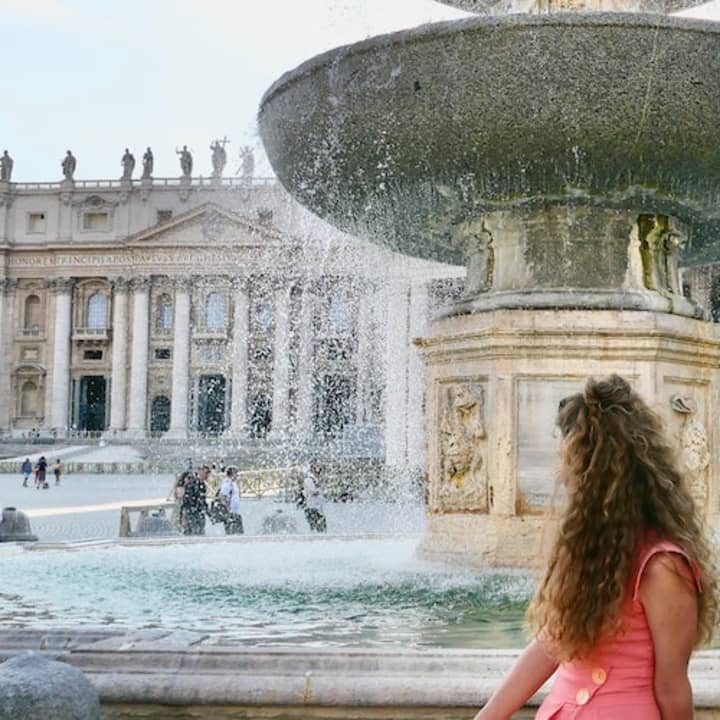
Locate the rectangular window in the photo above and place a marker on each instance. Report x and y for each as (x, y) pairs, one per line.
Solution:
(162, 353)
(36, 222)
(93, 355)
(95, 221)
(164, 216)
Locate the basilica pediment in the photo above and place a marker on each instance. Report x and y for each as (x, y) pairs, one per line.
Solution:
(207, 226)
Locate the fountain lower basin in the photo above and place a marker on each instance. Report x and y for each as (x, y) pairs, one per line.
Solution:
(335, 592)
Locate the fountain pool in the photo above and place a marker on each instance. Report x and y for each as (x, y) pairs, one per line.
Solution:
(338, 592)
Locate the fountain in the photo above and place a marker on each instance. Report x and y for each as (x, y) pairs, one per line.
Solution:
(566, 159)
(15, 526)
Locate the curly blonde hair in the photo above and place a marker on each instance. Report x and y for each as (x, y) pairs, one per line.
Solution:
(622, 483)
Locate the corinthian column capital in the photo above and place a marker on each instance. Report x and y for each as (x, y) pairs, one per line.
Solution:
(139, 283)
(60, 285)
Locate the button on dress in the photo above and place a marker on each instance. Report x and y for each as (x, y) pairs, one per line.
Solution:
(617, 683)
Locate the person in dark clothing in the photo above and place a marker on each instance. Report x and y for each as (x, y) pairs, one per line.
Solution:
(314, 502)
(194, 503)
(41, 468)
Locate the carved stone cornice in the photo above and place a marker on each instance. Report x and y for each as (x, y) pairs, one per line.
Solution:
(59, 285)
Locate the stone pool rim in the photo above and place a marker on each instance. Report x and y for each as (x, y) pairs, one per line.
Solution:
(175, 669)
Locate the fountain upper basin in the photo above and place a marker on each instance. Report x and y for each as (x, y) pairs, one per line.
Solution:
(403, 137)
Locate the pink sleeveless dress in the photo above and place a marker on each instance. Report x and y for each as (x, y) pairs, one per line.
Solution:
(617, 684)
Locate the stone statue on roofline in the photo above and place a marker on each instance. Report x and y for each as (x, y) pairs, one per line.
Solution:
(69, 163)
(148, 164)
(247, 163)
(6, 167)
(128, 165)
(219, 157)
(186, 162)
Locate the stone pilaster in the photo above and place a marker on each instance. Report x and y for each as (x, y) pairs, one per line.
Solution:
(181, 360)
(137, 416)
(118, 391)
(396, 365)
(240, 342)
(60, 402)
(7, 302)
(305, 376)
(6, 200)
(415, 418)
(364, 350)
(281, 365)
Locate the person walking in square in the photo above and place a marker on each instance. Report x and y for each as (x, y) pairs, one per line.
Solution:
(26, 468)
(630, 587)
(41, 473)
(313, 500)
(229, 495)
(58, 471)
(194, 503)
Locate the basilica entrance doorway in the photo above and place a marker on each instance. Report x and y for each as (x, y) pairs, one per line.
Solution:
(160, 414)
(335, 404)
(212, 394)
(91, 404)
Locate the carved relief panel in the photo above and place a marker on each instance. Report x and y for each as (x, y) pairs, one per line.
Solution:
(693, 446)
(460, 482)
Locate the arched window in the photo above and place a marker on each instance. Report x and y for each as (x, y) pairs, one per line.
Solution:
(97, 311)
(28, 398)
(164, 319)
(33, 320)
(215, 311)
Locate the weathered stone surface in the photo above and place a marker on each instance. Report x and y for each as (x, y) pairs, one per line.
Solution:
(526, 361)
(404, 136)
(35, 688)
(483, 7)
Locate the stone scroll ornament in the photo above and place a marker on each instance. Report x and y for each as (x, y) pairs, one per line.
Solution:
(463, 478)
(694, 448)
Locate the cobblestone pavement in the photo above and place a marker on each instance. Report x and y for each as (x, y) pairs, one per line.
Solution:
(68, 522)
(76, 491)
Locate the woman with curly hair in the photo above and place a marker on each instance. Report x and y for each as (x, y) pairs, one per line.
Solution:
(629, 589)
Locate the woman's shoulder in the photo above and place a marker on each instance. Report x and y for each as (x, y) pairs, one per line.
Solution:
(657, 555)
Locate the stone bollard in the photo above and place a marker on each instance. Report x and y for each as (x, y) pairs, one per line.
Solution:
(35, 688)
(15, 526)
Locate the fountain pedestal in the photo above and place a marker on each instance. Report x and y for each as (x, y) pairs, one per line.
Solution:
(494, 380)
(565, 160)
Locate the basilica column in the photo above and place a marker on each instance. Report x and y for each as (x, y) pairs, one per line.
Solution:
(241, 340)
(364, 352)
(60, 403)
(7, 293)
(118, 382)
(396, 360)
(305, 374)
(181, 360)
(281, 364)
(137, 418)
(419, 317)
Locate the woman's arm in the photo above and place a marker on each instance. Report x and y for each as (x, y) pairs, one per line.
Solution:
(527, 676)
(669, 596)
